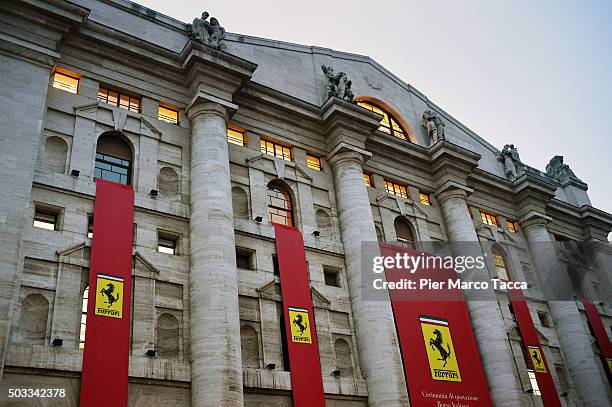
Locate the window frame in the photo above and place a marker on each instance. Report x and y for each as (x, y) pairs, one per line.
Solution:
(169, 108)
(83, 323)
(67, 74)
(43, 214)
(264, 145)
(288, 209)
(169, 242)
(389, 123)
(368, 180)
(500, 264)
(424, 198)
(336, 272)
(232, 139)
(111, 164)
(119, 95)
(316, 162)
(486, 216)
(512, 226)
(395, 187)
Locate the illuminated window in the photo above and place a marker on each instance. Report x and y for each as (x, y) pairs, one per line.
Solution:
(118, 99)
(500, 267)
(367, 178)
(488, 218)
(66, 82)
(512, 226)
(396, 189)
(424, 198)
(388, 124)
(534, 383)
(313, 162)
(276, 150)
(166, 244)
(45, 219)
(235, 137)
(168, 115)
(279, 206)
(83, 318)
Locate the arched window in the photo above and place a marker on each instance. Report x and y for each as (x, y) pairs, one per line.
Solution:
(249, 346)
(83, 318)
(113, 159)
(280, 209)
(167, 339)
(388, 124)
(33, 319)
(501, 266)
(403, 231)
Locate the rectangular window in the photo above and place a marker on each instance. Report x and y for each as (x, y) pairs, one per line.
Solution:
(276, 150)
(245, 258)
(66, 82)
(168, 115)
(534, 383)
(167, 243)
(396, 189)
(111, 97)
(367, 178)
(275, 266)
(45, 219)
(512, 226)
(235, 137)
(332, 276)
(424, 198)
(90, 223)
(543, 317)
(488, 218)
(500, 266)
(313, 162)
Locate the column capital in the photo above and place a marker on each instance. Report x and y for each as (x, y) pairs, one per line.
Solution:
(451, 189)
(452, 164)
(534, 218)
(207, 104)
(347, 126)
(533, 192)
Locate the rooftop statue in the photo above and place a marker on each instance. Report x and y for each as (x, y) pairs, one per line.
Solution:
(557, 170)
(434, 126)
(513, 166)
(209, 33)
(338, 84)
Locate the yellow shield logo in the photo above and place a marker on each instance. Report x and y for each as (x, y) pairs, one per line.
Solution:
(536, 359)
(440, 350)
(300, 325)
(609, 361)
(109, 296)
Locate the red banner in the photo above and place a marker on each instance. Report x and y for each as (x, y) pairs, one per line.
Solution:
(600, 335)
(306, 379)
(534, 350)
(441, 360)
(104, 380)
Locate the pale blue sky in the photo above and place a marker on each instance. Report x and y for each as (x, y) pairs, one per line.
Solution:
(537, 74)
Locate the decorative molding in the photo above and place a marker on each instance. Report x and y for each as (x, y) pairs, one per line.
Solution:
(119, 118)
(147, 263)
(320, 296)
(149, 125)
(303, 172)
(279, 165)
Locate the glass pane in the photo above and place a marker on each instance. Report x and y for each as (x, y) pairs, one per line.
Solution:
(65, 82)
(112, 98)
(236, 137)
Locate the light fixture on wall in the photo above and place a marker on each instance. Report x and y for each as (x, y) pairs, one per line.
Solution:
(316, 233)
(335, 373)
(151, 353)
(271, 366)
(57, 342)
(75, 173)
(258, 219)
(154, 193)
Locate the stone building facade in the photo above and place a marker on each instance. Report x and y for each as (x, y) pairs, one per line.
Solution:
(206, 295)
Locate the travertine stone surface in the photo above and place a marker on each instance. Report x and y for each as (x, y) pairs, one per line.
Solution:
(485, 315)
(374, 326)
(574, 340)
(216, 365)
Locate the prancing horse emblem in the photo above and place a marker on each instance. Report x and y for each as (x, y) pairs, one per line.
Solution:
(108, 292)
(297, 321)
(436, 343)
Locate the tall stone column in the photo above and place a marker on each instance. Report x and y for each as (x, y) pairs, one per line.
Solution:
(574, 340)
(216, 367)
(484, 310)
(379, 353)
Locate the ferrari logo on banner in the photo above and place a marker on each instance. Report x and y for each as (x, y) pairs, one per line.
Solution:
(440, 351)
(609, 362)
(109, 296)
(536, 359)
(300, 325)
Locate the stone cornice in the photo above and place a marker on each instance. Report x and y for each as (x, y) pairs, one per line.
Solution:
(596, 224)
(533, 192)
(451, 166)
